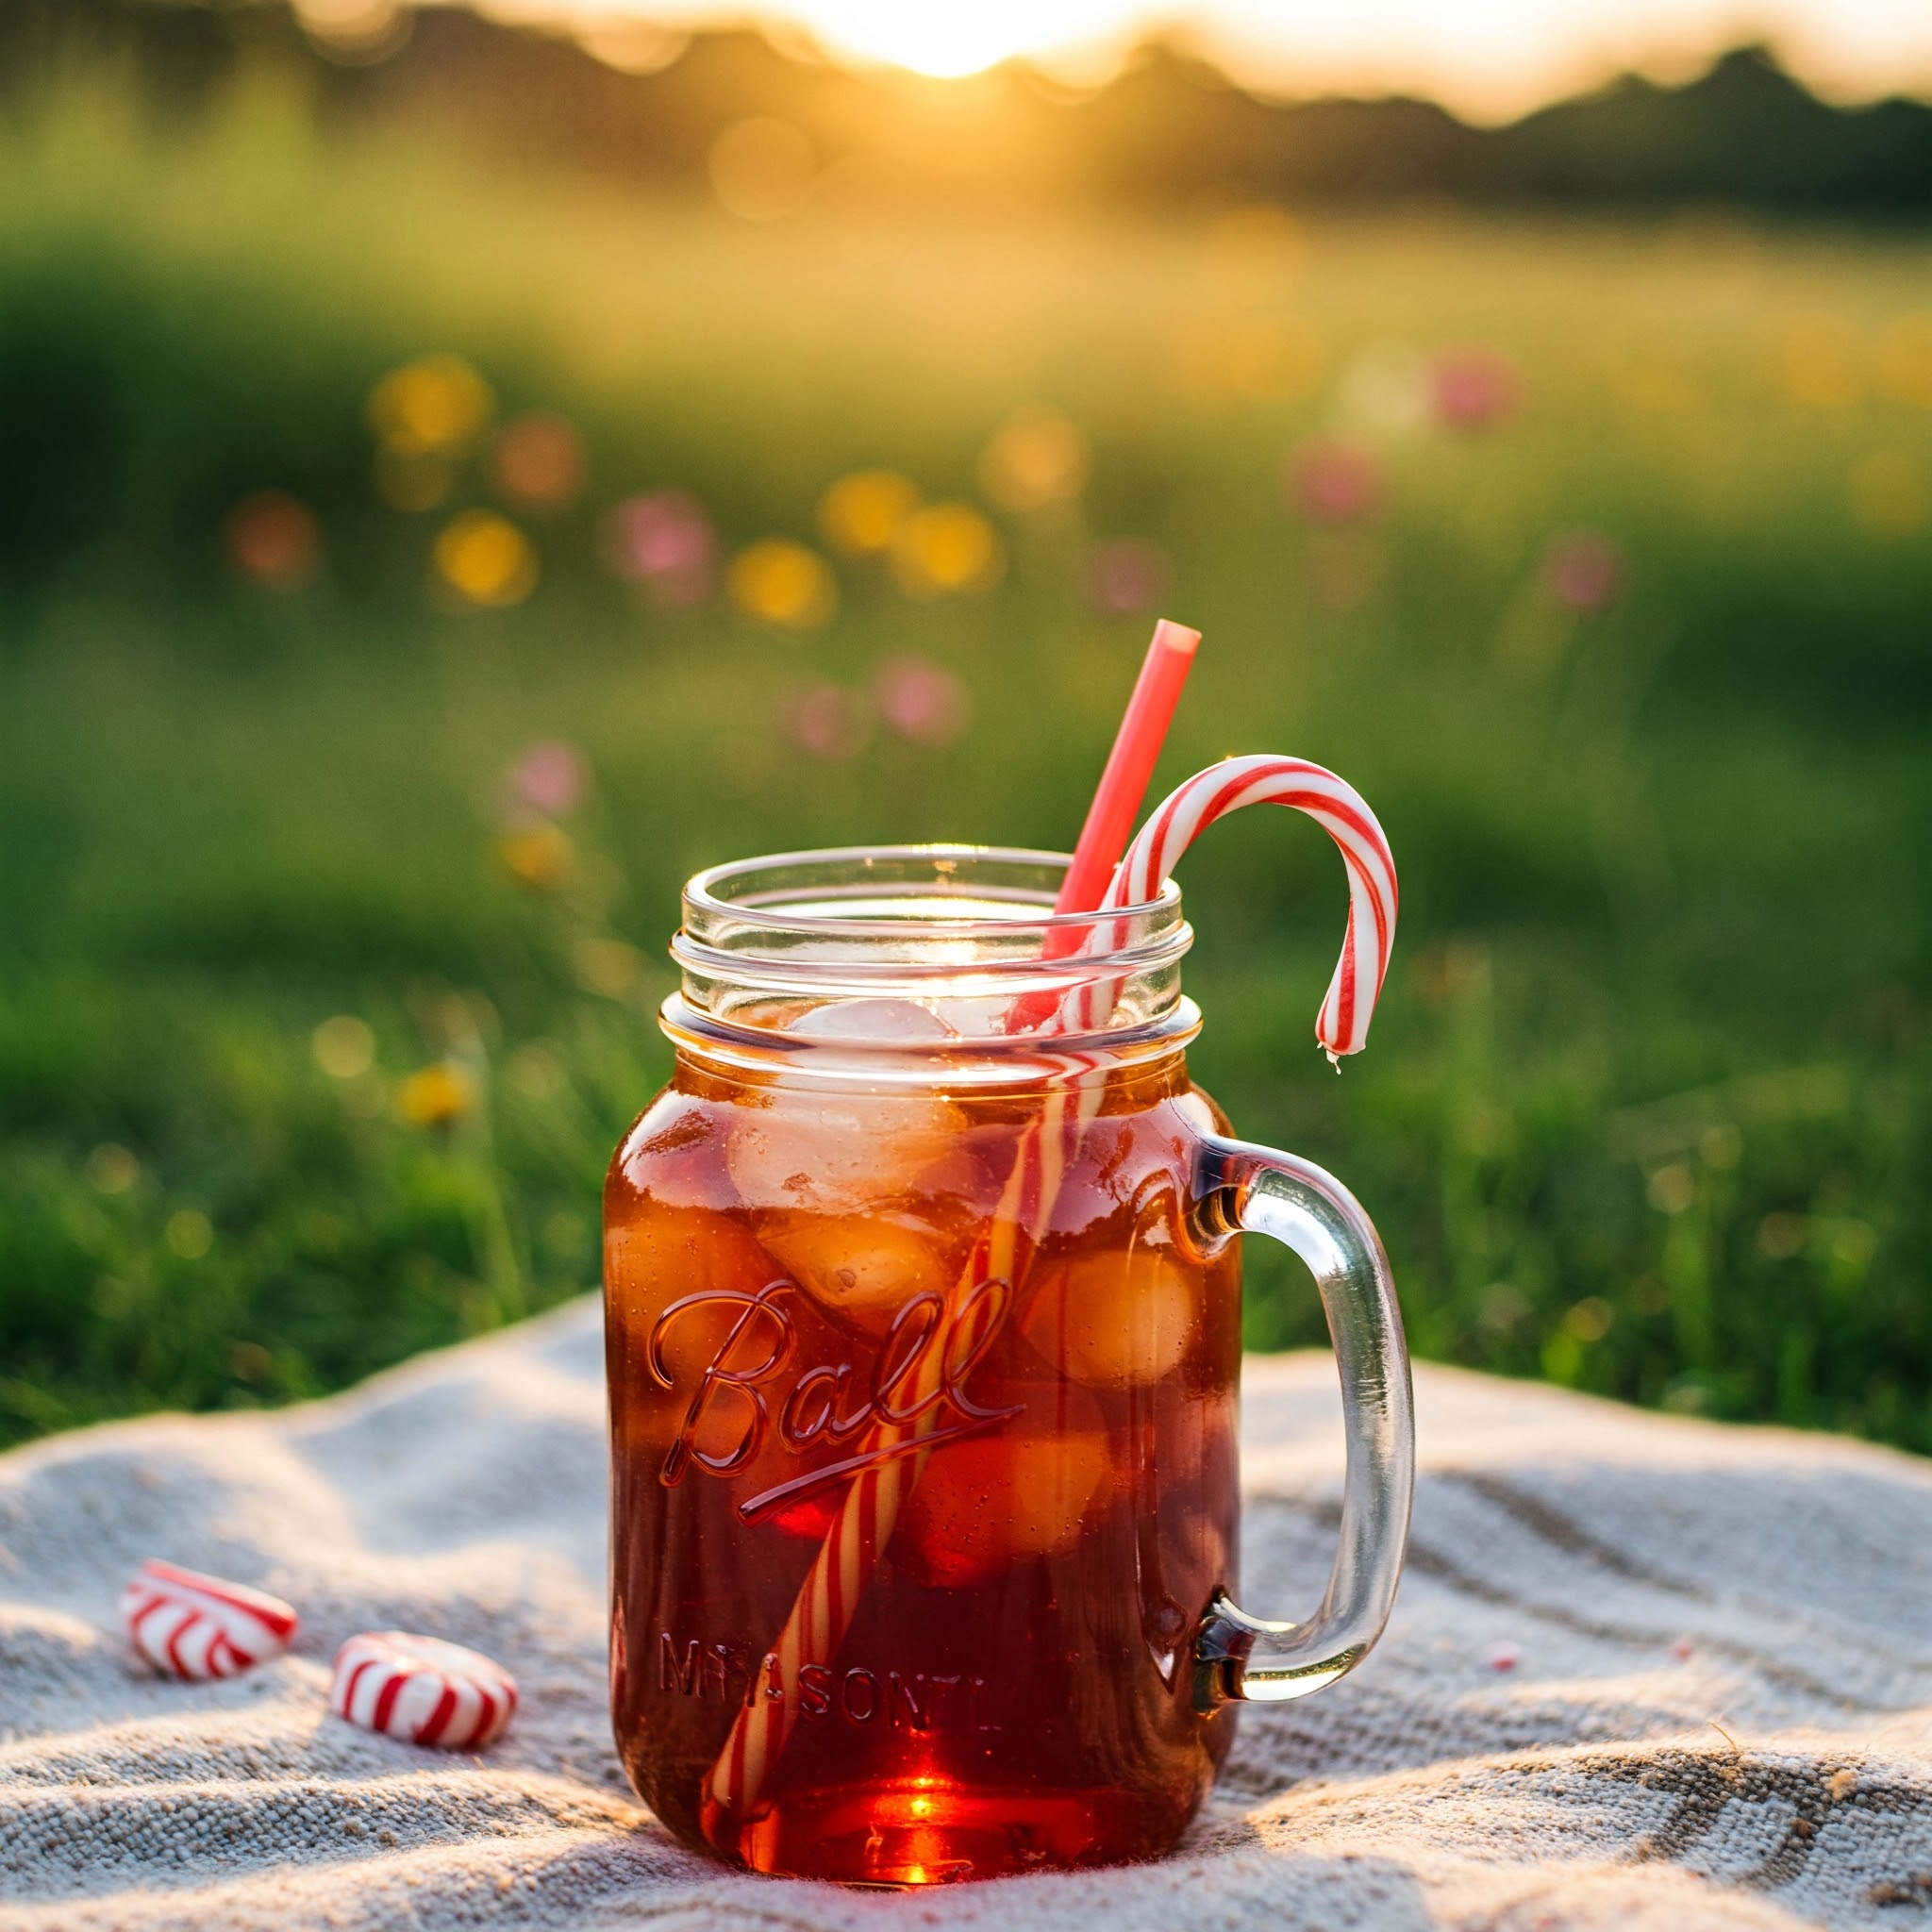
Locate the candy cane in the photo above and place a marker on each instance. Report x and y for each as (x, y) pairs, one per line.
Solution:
(825, 1607)
(1341, 1025)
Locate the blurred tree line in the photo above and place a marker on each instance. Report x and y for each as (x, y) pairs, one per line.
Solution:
(1169, 128)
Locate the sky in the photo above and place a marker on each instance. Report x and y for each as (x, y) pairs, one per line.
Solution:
(1488, 59)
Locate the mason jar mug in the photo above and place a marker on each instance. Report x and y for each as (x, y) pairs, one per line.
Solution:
(924, 1341)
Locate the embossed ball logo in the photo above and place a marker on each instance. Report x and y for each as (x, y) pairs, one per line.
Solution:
(749, 1378)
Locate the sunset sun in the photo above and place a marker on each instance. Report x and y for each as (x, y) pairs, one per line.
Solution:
(947, 43)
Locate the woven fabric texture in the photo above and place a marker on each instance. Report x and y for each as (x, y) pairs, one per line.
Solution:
(1644, 1672)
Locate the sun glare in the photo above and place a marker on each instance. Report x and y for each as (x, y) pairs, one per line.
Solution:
(947, 43)
(1491, 59)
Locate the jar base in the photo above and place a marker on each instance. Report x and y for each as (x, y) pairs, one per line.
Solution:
(931, 1832)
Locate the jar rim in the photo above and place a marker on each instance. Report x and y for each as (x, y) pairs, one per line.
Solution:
(705, 894)
(790, 942)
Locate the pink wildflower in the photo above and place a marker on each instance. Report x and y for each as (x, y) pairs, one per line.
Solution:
(829, 721)
(1584, 571)
(1334, 482)
(549, 778)
(1473, 387)
(664, 541)
(922, 702)
(1126, 576)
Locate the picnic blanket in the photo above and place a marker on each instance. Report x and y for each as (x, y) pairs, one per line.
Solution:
(1645, 1671)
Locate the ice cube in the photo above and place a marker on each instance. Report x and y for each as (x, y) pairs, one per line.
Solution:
(861, 1269)
(835, 1153)
(1109, 1320)
(876, 1021)
(987, 1502)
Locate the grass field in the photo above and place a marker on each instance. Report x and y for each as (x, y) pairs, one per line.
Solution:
(1633, 663)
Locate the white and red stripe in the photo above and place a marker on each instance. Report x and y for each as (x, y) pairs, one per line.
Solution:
(196, 1627)
(422, 1690)
(1341, 811)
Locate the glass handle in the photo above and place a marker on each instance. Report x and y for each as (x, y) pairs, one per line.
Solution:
(1255, 1191)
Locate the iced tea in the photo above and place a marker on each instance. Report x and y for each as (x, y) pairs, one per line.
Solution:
(1014, 1689)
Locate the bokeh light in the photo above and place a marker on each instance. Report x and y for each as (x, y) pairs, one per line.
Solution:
(1128, 577)
(343, 1046)
(629, 44)
(188, 1234)
(541, 856)
(1384, 390)
(946, 549)
(1256, 358)
(273, 540)
(1332, 480)
(539, 461)
(664, 541)
(1473, 386)
(1889, 492)
(436, 1095)
(762, 169)
(948, 41)
(1036, 459)
(549, 778)
(430, 407)
(1904, 359)
(111, 1169)
(486, 559)
(829, 721)
(782, 583)
(861, 513)
(354, 32)
(608, 967)
(1821, 361)
(922, 702)
(1585, 571)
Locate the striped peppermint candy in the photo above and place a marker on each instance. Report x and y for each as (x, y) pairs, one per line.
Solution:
(1340, 809)
(422, 1690)
(196, 1627)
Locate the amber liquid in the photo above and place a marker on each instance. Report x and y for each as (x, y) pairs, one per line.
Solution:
(1014, 1689)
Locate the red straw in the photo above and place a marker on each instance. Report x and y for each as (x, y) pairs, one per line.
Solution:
(1130, 766)
(1110, 817)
